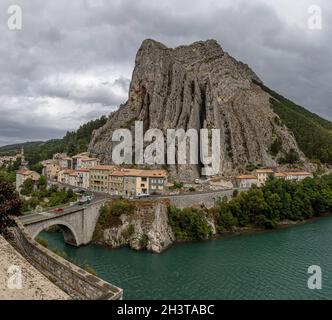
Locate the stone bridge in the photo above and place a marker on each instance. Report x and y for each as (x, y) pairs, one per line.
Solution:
(77, 223)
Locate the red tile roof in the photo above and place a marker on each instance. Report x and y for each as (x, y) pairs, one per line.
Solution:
(246, 177)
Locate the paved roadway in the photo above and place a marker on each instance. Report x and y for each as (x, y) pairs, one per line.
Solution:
(38, 217)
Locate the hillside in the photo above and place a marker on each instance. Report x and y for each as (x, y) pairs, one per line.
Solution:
(72, 143)
(313, 133)
(13, 149)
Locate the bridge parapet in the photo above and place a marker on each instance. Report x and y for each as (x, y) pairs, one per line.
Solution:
(75, 281)
(78, 224)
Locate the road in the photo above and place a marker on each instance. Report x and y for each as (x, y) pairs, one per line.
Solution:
(47, 215)
(96, 197)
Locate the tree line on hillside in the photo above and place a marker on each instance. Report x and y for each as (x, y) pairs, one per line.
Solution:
(72, 143)
(313, 133)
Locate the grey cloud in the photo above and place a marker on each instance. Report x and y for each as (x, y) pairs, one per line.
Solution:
(97, 43)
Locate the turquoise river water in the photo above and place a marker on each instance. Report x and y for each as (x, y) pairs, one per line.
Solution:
(269, 265)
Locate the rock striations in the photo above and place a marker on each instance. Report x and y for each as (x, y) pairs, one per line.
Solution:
(201, 86)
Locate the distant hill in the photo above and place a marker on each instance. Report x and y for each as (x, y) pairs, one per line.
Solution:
(72, 143)
(15, 148)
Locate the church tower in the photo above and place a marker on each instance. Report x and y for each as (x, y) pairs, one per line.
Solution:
(22, 155)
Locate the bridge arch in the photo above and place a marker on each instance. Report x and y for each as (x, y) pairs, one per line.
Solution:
(69, 233)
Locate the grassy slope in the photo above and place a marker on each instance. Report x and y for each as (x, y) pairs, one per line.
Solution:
(313, 133)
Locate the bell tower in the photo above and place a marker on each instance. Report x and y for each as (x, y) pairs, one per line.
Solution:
(22, 155)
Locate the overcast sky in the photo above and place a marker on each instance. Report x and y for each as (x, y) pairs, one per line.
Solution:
(72, 61)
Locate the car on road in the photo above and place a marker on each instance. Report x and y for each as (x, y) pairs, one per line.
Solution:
(142, 196)
(85, 200)
(79, 191)
(57, 211)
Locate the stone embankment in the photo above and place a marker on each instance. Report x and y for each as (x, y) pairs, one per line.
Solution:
(73, 280)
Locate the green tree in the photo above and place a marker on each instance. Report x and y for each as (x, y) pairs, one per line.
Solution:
(189, 223)
(226, 220)
(42, 183)
(27, 187)
(274, 206)
(10, 205)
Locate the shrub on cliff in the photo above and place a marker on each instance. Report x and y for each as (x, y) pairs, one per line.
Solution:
(143, 242)
(189, 223)
(110, 217)
(120, 207)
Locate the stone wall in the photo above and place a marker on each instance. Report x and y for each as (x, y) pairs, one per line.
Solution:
(206, 199)
(70, 278)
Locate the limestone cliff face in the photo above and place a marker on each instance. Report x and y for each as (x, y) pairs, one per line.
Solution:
(200, 86)
(147, 228)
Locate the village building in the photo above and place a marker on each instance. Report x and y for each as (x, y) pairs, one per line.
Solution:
(64, 176)
(6, 161)
(280, 176)
(127, 182)
(116, 183)
(77, 160)
(246, 181)
(65, 163)
(263, 175)
(142, 182)
(23, 175)
(50, 169)
(83, 178)
(297, 176)
(129, 187)
(73, 178)
(88, 163)
(157, 181)
(99, 178)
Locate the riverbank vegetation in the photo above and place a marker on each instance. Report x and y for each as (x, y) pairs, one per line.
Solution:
(189, 224)
(265, 207)
(110, 217)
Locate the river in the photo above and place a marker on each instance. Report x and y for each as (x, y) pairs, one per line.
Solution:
(269, 265)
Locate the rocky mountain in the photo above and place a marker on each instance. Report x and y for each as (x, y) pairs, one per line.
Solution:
(202, 86)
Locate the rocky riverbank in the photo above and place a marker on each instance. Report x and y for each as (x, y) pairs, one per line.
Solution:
(143, 227)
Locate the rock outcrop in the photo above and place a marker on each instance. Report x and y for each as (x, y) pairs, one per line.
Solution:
(201, 86)
(147, 228)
